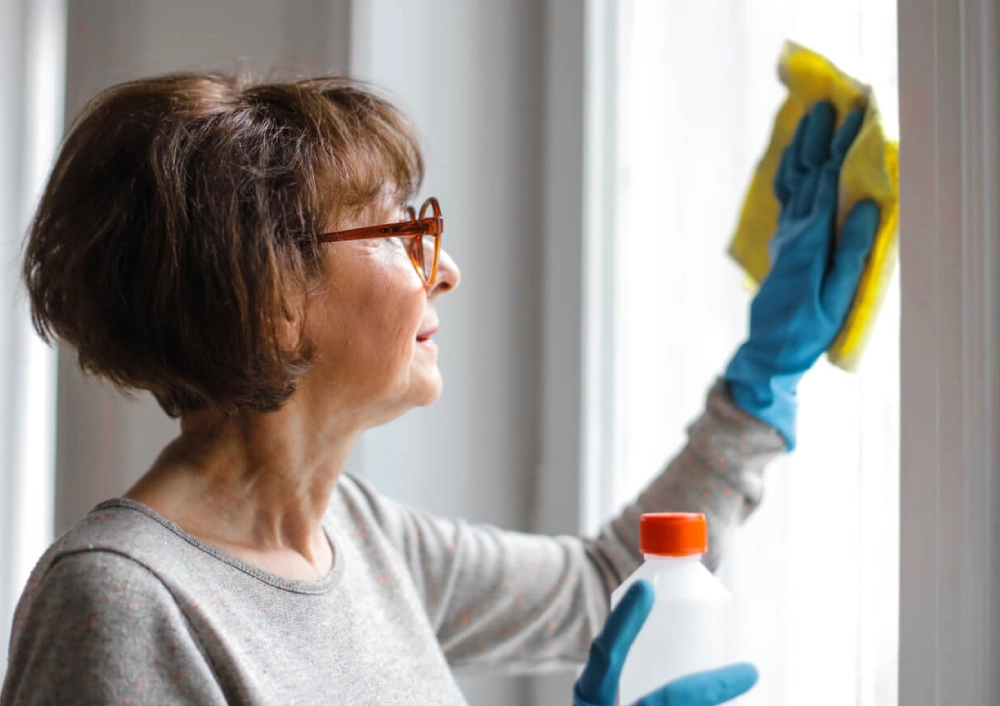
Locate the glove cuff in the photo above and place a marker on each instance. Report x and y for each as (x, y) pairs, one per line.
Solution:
(767, 396)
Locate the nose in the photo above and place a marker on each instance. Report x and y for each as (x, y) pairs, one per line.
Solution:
(448, 275)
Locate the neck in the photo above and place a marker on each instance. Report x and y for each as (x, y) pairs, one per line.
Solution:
(256, 485)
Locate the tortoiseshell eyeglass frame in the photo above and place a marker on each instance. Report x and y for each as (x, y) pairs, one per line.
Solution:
(415, 228)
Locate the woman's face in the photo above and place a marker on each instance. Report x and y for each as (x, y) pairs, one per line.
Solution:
(373, 324)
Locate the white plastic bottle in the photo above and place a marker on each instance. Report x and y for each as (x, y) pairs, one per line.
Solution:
(690, 626)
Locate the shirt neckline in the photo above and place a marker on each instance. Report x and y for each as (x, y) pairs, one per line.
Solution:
(317, 586)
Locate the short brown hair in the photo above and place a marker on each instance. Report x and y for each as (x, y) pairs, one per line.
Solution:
(181, 217)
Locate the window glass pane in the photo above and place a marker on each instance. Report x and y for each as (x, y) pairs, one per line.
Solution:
(815, 570)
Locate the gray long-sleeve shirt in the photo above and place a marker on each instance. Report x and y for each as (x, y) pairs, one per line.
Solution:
(128, 608)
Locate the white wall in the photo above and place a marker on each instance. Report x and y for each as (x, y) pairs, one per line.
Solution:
(470, 73)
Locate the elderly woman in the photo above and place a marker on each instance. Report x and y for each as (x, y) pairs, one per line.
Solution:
(246, 254)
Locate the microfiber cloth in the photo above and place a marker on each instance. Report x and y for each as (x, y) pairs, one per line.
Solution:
(870, 171)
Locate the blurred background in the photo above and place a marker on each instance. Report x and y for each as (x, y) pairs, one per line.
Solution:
(590, 158)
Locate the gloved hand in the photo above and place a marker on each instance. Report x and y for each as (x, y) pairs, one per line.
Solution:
(598, 684)
(805, 298)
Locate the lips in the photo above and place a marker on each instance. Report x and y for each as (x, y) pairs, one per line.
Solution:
(426, 334)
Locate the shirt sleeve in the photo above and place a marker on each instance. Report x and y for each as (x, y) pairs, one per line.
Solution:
(719, 472)
(521, 603)
(121, 639)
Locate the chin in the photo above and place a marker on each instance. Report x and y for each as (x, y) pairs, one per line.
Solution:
(420, 395)
(430, 390)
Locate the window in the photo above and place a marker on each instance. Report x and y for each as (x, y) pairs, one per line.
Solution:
(816, 569)
(31, 123)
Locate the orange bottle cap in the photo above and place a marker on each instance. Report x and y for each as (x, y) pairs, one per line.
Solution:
(673, 533)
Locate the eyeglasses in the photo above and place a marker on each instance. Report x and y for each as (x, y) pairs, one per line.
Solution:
(422, 237)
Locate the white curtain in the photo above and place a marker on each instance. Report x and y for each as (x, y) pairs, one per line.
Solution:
(32, 58)
(815, 570)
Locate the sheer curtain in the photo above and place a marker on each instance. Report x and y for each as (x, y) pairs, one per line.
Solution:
(31, 92)
(815, 570)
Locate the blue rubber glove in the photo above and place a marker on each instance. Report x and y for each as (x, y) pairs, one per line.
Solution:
(806, 296)
(598, 684)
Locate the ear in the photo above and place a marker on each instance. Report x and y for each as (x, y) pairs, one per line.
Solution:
(289, 329)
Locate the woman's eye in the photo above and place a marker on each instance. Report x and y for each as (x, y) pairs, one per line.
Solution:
(400, 242)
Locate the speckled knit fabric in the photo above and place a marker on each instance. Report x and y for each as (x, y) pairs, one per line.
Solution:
(127, 608)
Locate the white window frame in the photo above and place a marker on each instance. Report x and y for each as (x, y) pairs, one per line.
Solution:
(577, 350)
(949, 53)
(572, 493)
(33, 41)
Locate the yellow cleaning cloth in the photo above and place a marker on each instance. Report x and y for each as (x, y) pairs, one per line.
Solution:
(870, 171)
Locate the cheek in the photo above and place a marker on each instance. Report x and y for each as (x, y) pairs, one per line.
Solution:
(406, 324)
(367, 322)
(388, 316)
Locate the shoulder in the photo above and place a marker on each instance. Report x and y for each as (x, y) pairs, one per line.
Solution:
(120, 526)
(90, 600)
(355, 499)
(90, 581)
(112, 552)
(92, 624)
(367, 514)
